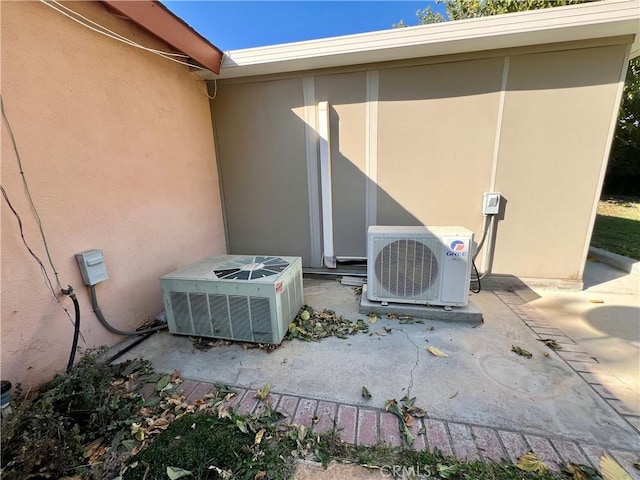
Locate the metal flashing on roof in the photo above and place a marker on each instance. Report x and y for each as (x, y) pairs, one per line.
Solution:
(607, 18)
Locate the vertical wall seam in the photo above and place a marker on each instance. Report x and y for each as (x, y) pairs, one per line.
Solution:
(371, 148)
(605, 159)
(496, 141)
(311, 141)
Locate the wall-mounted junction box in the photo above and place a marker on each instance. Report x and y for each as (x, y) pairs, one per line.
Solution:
(490, 203)
(92, 266)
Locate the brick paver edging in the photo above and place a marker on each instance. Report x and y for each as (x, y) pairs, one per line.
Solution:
(367, 426)
(586, 366)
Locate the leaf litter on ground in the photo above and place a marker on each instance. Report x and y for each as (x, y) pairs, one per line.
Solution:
(521, 351)
(551, 343)
(313, 326)
(406, 410)
(308, 325)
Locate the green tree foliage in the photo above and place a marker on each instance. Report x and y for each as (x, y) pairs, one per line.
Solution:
(461, 9)
(623, 171)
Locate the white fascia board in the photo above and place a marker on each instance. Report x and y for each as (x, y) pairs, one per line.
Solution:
(551, 25)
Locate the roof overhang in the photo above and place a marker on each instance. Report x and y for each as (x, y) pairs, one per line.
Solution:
(608, 18)
(157, 19)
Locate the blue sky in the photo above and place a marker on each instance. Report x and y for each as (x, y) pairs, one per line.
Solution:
(231, 25)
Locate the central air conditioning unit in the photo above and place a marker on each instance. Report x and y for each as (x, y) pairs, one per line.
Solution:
(421, 265)
(234, 297)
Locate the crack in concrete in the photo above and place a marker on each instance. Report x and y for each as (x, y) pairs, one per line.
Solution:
(240, 369)
(415, 365)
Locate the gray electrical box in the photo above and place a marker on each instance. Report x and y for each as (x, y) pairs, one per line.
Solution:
(92, 266)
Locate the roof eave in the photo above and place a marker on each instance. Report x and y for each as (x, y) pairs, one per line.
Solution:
(609, 18)
(157, 19)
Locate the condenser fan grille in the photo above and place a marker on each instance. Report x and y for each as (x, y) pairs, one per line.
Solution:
(406, 268)
(251, 268)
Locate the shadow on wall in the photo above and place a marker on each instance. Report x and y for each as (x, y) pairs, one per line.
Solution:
(270, 179)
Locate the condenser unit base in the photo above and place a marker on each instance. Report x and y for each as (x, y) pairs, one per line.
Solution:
(467, 314)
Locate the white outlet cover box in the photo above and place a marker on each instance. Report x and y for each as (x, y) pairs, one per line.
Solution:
(490, 203)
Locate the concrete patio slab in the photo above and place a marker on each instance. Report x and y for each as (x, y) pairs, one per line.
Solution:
(467, 314)
(604, 322)
(483, 389)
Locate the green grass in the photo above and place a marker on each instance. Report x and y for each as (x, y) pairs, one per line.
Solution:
(617, 227)
(201, 443)
(197, 441)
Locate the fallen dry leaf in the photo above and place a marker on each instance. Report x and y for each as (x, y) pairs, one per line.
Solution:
(551, 343)
(259, 436)
(576, 472)
(611, 470)
(262, 393)
(530, 462)
(596, 300)
(436, 351)
(408, 420)
(521, 351)
(174, 473)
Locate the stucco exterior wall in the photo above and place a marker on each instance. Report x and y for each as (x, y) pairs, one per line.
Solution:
(117, 147)
(554, 138)
(432, 135)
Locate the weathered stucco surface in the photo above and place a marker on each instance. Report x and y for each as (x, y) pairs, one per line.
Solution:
(117, 147)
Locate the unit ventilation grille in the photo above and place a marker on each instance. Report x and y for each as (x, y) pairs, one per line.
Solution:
(406, 268)
(250, 268)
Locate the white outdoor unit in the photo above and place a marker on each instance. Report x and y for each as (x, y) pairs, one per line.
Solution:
(235, 297)
(422, 265)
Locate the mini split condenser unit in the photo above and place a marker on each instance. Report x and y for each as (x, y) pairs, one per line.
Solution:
(421, 265)
(234, 297)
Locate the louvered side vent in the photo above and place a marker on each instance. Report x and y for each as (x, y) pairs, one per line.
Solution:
(181, 315)
(293, 298)
(261, 319)
(220, 321)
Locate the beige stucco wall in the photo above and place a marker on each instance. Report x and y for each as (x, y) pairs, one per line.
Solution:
(436, 130)
(557, 114)
(265, 178)
(433, 134)
(118, 150)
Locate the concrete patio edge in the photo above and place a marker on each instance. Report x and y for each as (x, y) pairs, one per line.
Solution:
(620, 262)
